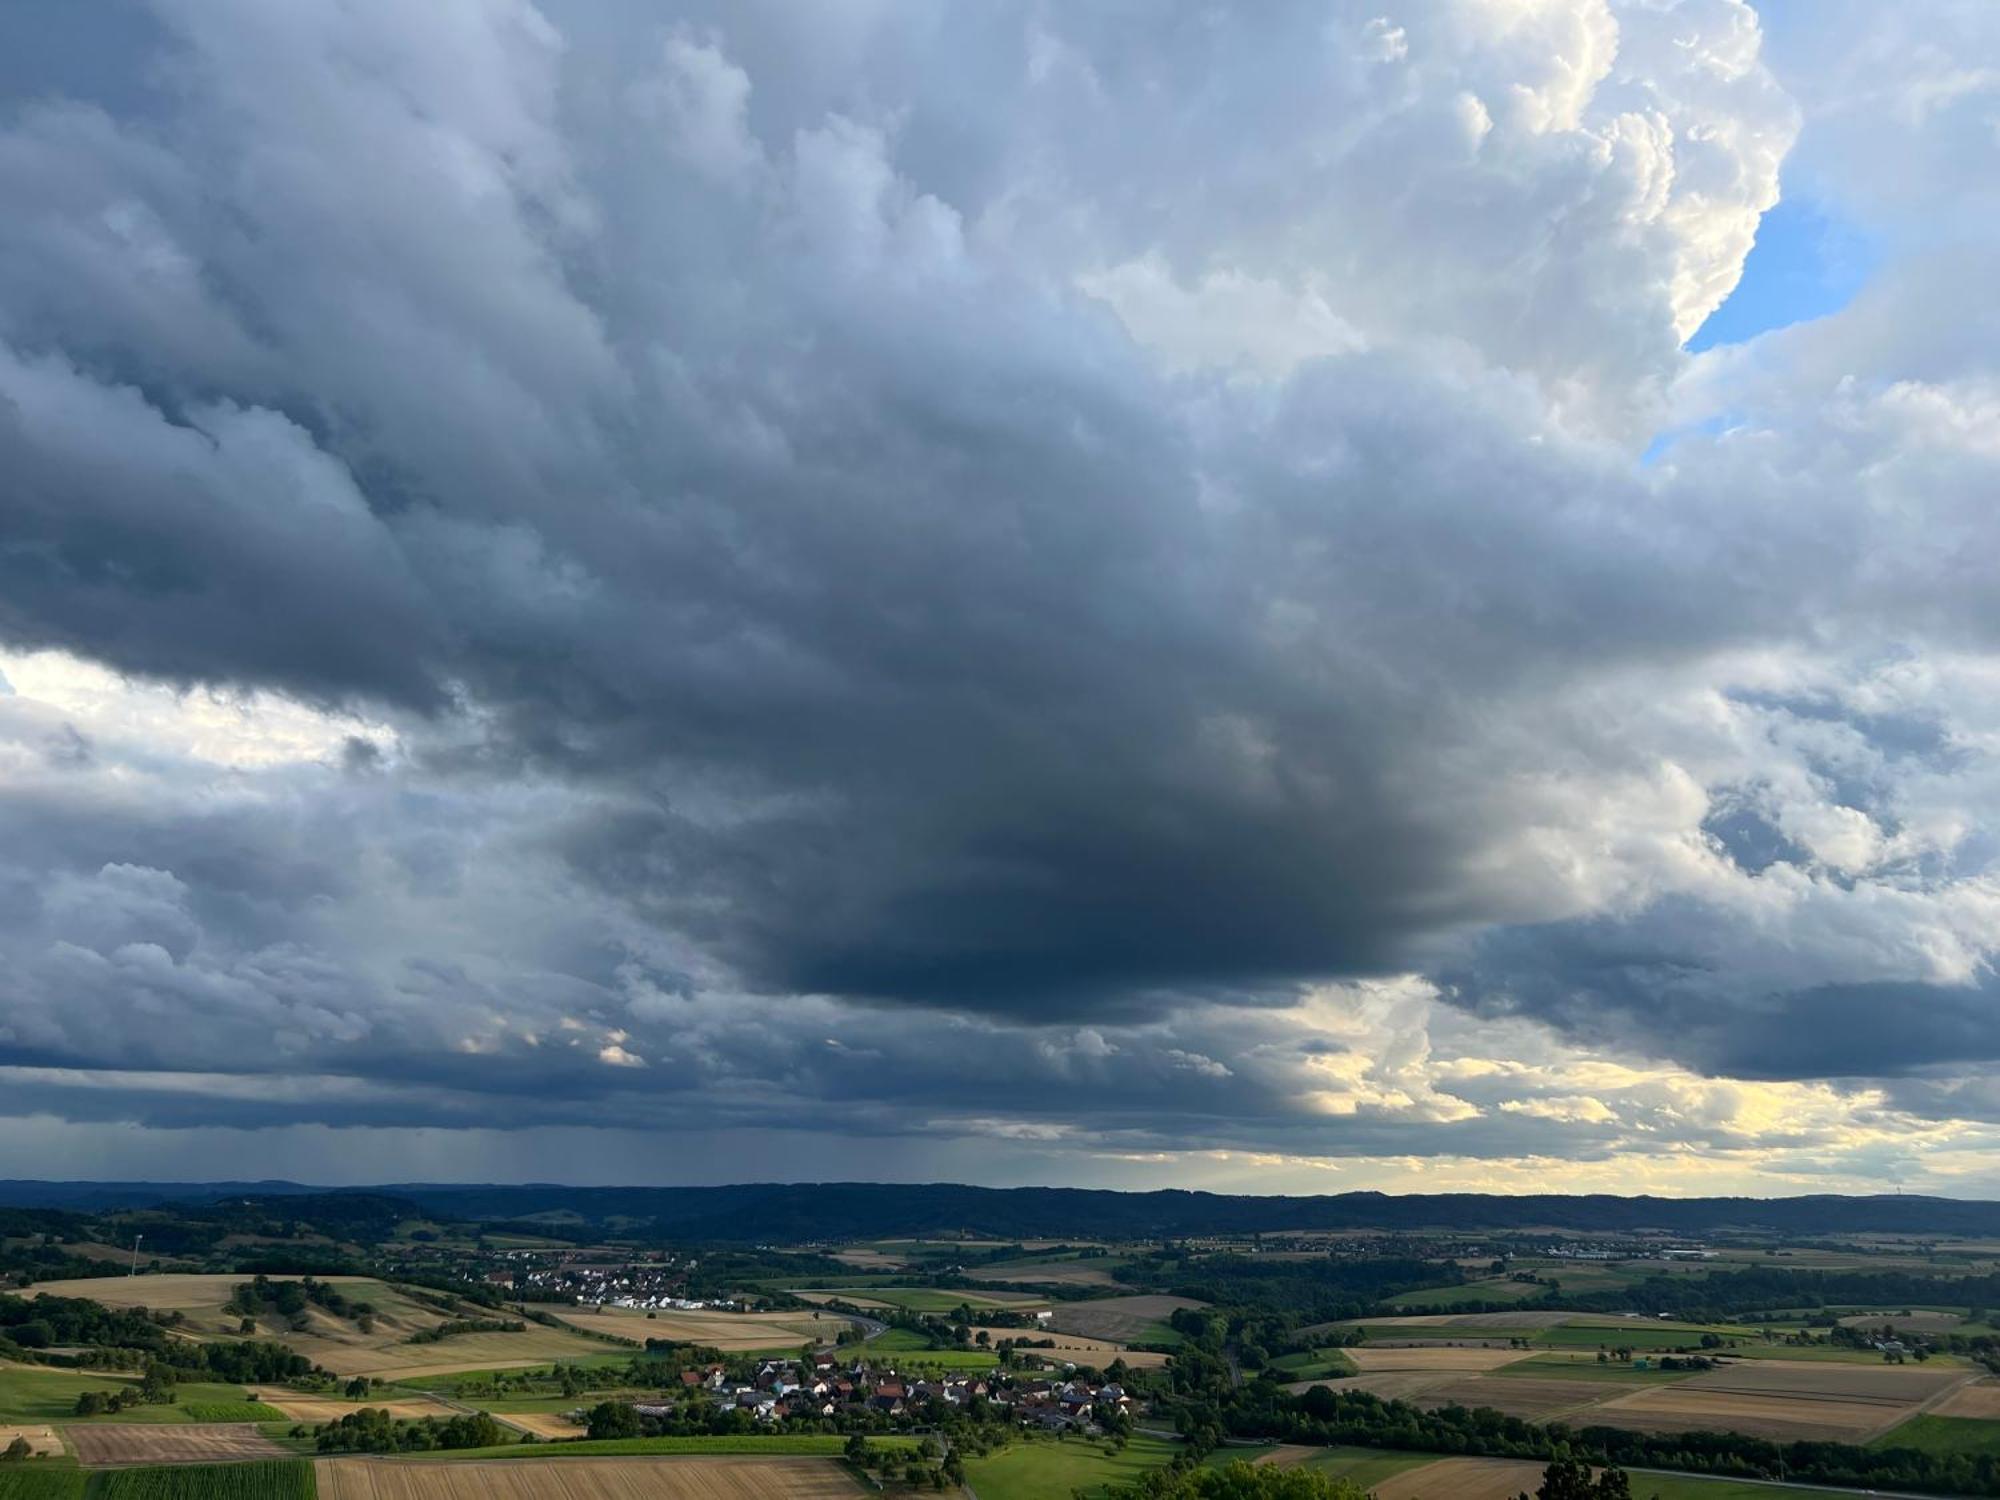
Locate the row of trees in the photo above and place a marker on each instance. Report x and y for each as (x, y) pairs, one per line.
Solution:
(373, 1430)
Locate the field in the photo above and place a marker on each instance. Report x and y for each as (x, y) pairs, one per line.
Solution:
(730, 1332)
(1367, 1467)
(101, 1446)
(31, 1394)
(282, 1479)
(925, 1299)
(589, 1479)
(42, 1483)
(1945, 1436)
(1432, 1357)
(336, 1343)
(1844, 1403)
(1076, 1348)
(1127, 1320)
(232, 1411)
(543, 1424)
(469, 1351)
(1097, 1271)
(1463, 1479)
(775, 1445)
(1314, 1364)
(42, 1441)
(318, 1409)
(1981, 1398)
(909, 1351)
(1038, 1470)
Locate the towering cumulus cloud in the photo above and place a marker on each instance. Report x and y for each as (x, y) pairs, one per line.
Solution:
(1112, 593)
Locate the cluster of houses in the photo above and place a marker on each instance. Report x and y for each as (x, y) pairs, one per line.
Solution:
(646, 1285)
(830, 1384)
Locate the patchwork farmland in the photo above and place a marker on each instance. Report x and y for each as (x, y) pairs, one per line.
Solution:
(117, 1445)
(588, 1479)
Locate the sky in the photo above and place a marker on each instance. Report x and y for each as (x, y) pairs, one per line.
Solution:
(1287, 598)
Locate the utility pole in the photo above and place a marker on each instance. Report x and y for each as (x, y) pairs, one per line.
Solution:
(135, 1254)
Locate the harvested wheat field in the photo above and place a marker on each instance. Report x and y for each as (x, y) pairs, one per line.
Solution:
(1077, 1348)
(1369, 1357)
(1917, 1319)
(728, 1332)
(42, 1441)
(197, 1443)
(1541, 1318)
(1786, 1400)
(1463, 1479)
(464, 1351)
(1124, 1319)
(543, 1424)
(1823, 1380)
(185, 1293)
(1979, 1399)
(587, 1479)
(325, 1409)
(1528, 1398)
(1390, 1385)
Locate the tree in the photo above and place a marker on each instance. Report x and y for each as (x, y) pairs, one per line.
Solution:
(357, 1388)
(614, 1419)
(1570, 1479)
(18, 1451)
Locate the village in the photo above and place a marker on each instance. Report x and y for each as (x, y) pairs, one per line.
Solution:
(842, 1383)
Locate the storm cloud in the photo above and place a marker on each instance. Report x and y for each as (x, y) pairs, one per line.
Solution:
(1140, 581)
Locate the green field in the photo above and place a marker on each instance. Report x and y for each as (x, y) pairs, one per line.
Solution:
(231, 1411)
(1631, 1335)
(1039, 1468)
(1315, 1364)
(272, 1479)
(36, 1395)
(1444, 1298)
(1974, 1437)
(925, 1299)
(1365, 1466)
(41, 1480)
(910, 1351)
(32, 1394)
(1586, 1367)
(1693, 1487)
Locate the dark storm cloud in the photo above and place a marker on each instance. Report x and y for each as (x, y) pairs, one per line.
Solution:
(929, 564)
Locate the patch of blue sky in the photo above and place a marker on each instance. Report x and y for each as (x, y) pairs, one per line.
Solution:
(1805, 264)
(1712, 426)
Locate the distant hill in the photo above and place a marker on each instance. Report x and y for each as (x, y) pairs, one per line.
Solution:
(790, 1212)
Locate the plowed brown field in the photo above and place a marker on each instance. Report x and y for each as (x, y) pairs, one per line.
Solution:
(1120, 1318)
(196, 1443)
(587, 1479)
